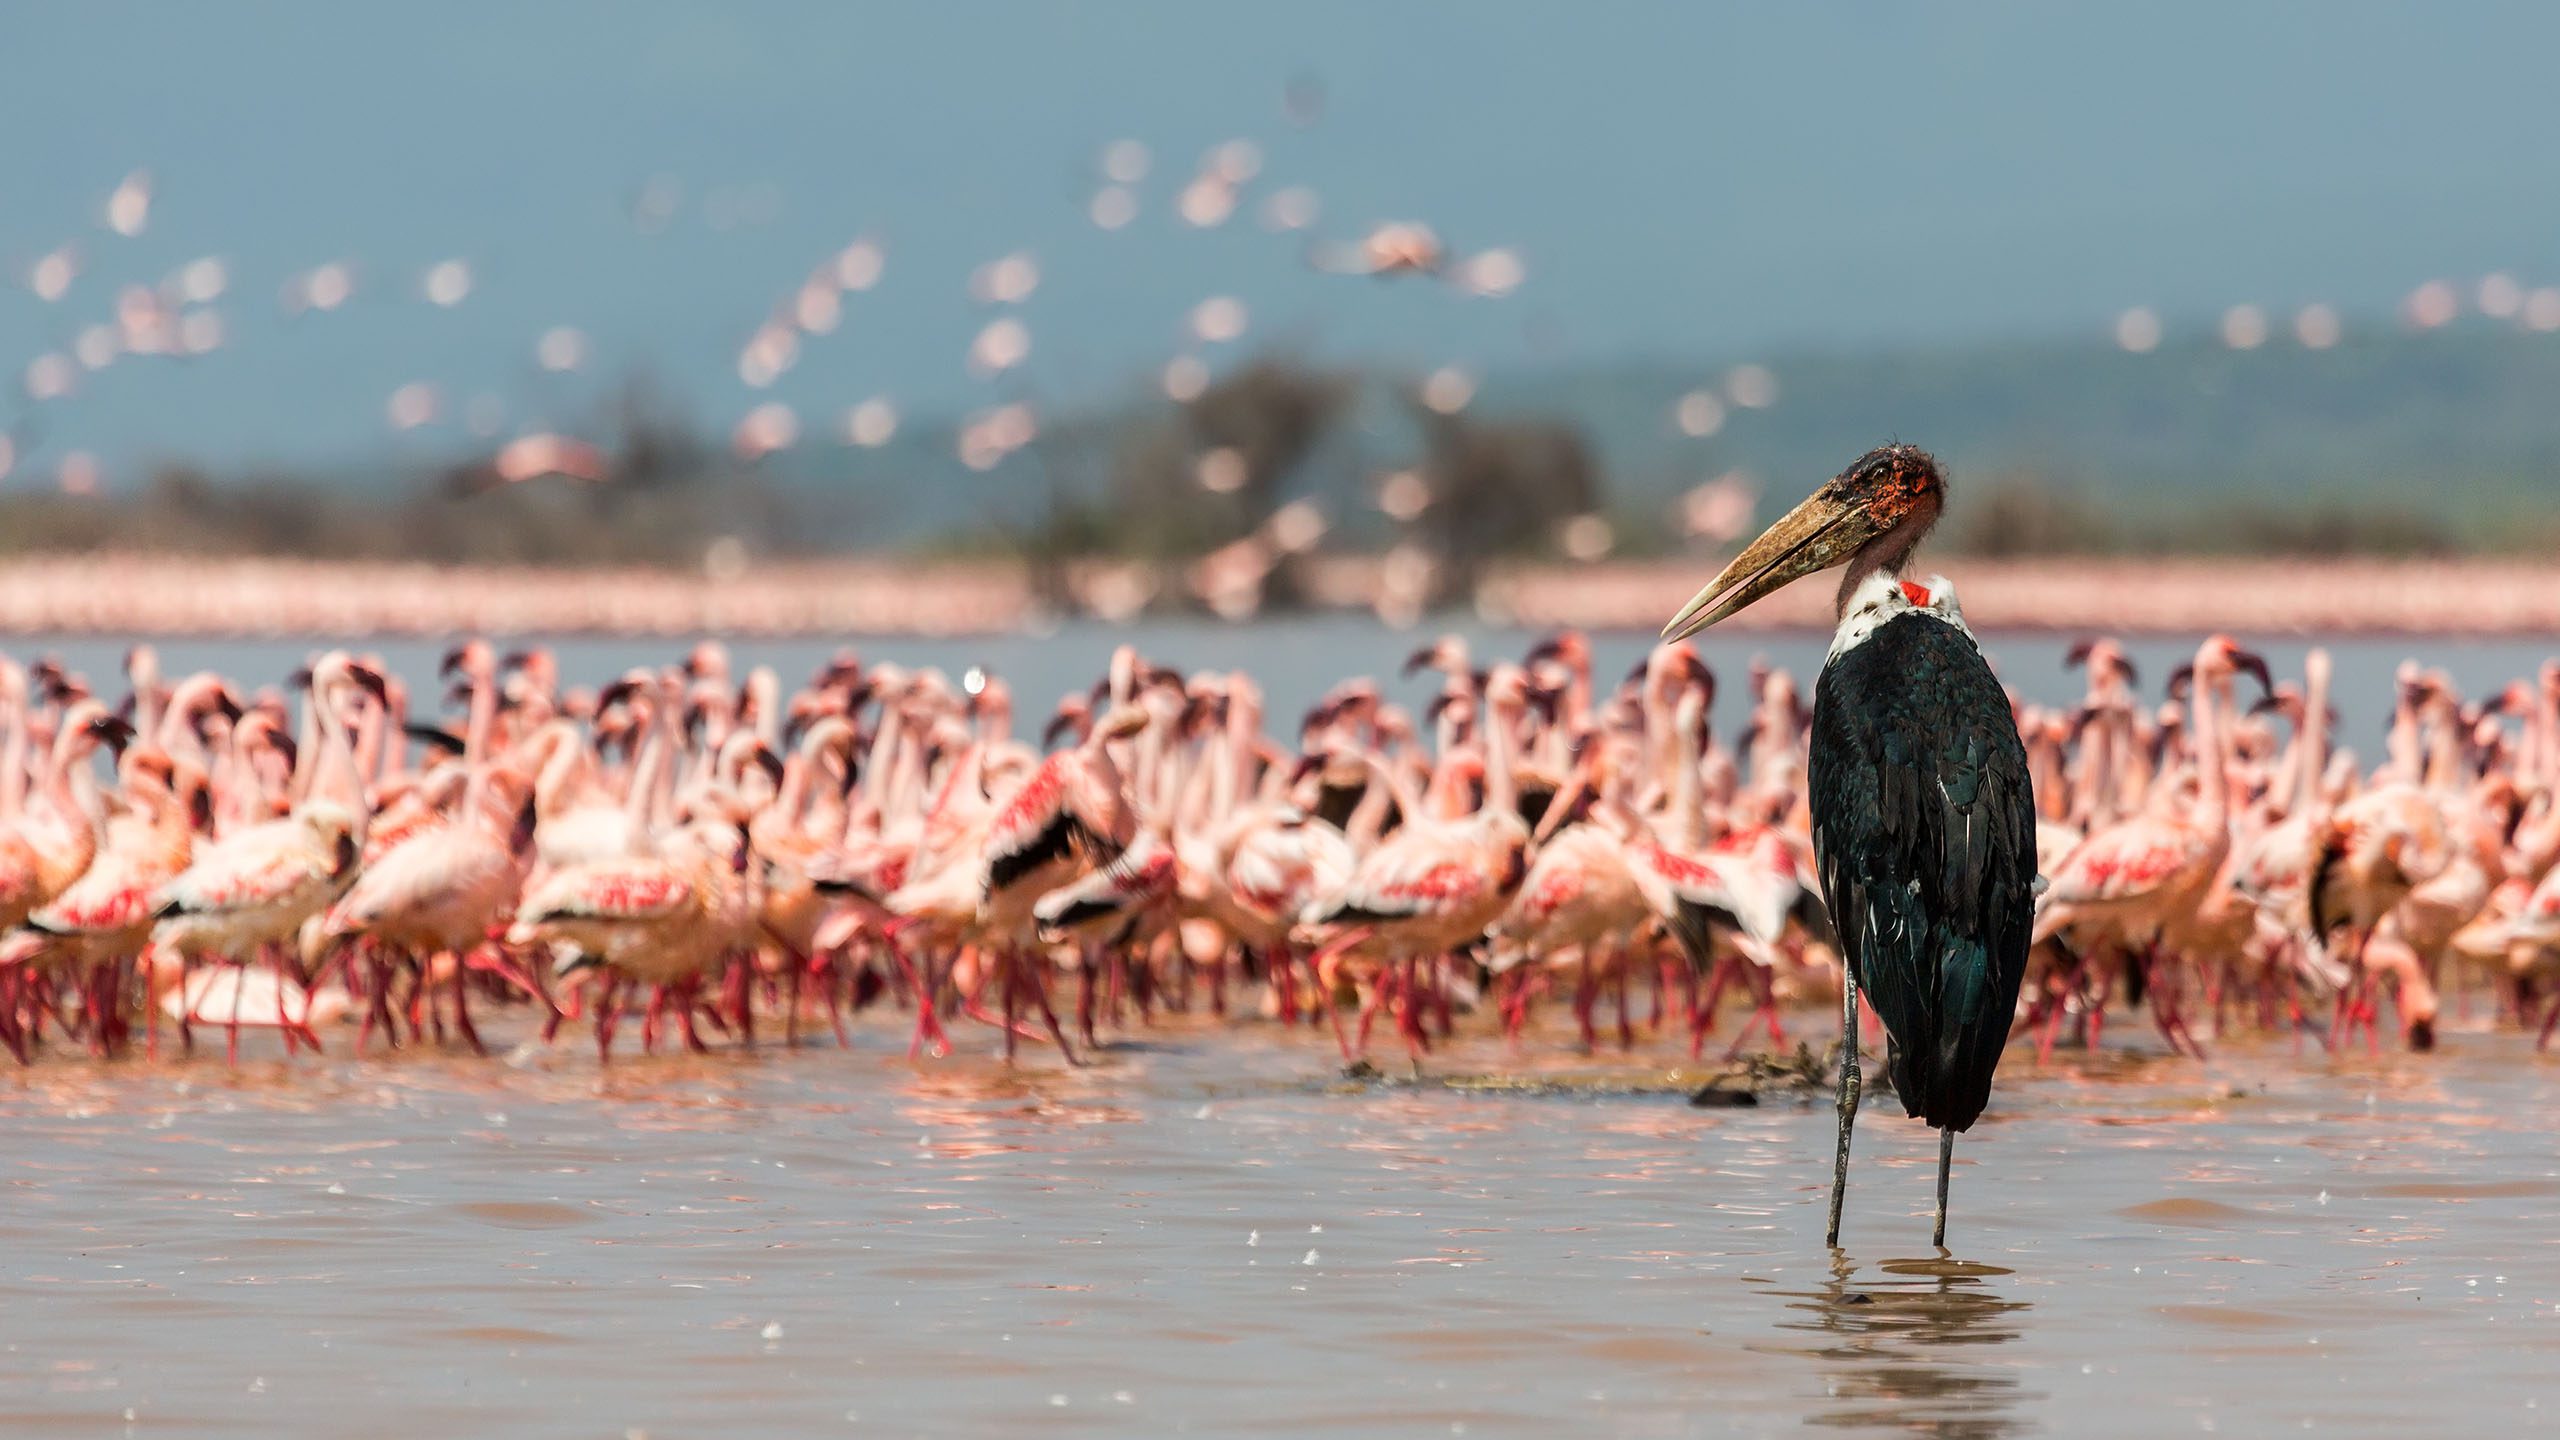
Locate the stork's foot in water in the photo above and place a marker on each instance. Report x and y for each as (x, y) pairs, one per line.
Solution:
(1946, 1159)
(1847, 1103)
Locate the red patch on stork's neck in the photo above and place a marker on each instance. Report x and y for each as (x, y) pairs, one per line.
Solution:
(1916, 593)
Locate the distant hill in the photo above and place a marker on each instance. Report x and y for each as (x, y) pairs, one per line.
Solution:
(2461, 426)
(2456, 433)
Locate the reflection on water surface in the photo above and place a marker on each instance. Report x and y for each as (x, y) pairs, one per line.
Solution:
(1211, 1233)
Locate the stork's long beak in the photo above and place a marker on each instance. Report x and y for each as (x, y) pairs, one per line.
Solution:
(1816, 535)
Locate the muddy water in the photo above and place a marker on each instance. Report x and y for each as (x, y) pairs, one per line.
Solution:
(1210, 1232)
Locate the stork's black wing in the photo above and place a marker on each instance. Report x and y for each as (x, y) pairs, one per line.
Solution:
(1924, 829)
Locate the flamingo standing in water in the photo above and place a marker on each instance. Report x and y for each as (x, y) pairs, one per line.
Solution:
(441, 891)
(97, 928)
(664, 920)
(1579, 902)
(1070, 814)
(42, 854)
(2127, 883)
(252, 892)
(1434, 885)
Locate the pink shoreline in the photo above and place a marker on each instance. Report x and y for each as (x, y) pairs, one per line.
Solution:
(168, 596)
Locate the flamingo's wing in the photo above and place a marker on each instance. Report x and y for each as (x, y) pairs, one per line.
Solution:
(1065, 808)
(627, 890)
(1692, 893)
(1401, 881)
(250, 877)
(112, 896)
(1144, 873)
(2124, 861)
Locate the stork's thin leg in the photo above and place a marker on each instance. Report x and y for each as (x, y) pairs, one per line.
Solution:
(1946, 1158)
(1848, 1096)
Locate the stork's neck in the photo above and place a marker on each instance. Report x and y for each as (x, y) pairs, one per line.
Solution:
(1887, 554)
(1885, 595)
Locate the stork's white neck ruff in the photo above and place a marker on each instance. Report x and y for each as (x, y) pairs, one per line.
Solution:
(1882, 596)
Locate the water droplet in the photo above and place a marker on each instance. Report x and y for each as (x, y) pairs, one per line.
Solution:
(1310, 1260)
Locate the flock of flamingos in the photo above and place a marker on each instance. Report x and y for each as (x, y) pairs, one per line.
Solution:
(701, 850)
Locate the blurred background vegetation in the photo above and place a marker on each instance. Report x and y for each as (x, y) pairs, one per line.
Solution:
(2398, 445)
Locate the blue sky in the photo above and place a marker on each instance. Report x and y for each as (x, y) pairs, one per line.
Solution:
(1683, 181)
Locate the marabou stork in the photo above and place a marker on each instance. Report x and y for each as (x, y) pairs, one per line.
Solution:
(1924, 822)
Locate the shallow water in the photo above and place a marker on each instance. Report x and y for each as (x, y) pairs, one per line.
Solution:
(1210, 1232)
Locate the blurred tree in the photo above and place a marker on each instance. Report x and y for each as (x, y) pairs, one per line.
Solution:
(2022, 514)
(1497, 488)
(1220, 466)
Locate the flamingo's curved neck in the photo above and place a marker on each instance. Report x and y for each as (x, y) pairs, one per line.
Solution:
(2315, 737)
(1501, 791)
(2213, 760)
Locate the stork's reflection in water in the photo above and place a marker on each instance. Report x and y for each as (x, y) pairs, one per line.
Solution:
(1911, 1346)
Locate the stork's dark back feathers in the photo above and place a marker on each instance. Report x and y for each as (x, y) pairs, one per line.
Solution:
(1924, 828)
